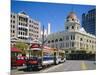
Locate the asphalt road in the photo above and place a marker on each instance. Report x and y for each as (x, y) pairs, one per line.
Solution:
(69, 65)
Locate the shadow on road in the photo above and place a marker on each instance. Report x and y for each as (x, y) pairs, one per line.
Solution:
(34, 69)
(28, 70)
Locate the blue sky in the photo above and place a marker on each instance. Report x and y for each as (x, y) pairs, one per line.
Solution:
(52, 13)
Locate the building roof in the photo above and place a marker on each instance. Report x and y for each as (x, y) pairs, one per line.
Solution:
(72, 15)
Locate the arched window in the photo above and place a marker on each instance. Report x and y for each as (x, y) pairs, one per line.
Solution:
(60, 39)
(56, 40)
(52, 40)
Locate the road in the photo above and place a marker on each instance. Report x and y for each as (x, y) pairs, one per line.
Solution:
(69, 65)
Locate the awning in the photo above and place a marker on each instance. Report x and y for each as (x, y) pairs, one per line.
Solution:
(14, 49)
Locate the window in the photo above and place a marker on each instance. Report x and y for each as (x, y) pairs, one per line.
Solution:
(60, 39)
(13, 21)
(13, 31)
(72, 19)
(81, 39)
(25, 24)
(13, 26)
(67, 37)
(13, 16)
(56, 40)
(67, 44)
(52, 40)
(71, 37)
(48, 41)
(72, 44)
(77, 28)
(60, 45)
(19, 33)
(72, 27)
(23, 33)
(19, 23)
(67, 27)
(66, 51)
(87, 40)
(90, 41)
(30, 21)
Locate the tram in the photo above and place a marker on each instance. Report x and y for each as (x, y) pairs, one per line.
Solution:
(40, 56)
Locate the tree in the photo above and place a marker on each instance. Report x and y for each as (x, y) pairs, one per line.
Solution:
(22, 46)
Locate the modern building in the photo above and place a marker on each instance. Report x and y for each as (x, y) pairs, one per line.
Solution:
(49, 28)
(74, 39)
(89, 21)
(46, 31)
(24, 28)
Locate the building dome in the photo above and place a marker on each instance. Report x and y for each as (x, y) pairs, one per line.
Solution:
(72, 17)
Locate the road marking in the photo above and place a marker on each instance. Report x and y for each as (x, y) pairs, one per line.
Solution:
(83, 66)
(51, 68)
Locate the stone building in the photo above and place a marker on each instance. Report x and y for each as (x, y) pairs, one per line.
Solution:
(77, 43)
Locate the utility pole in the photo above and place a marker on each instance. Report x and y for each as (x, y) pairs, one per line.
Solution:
(43, 36)
(42, 43)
